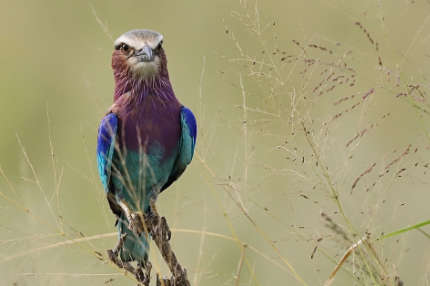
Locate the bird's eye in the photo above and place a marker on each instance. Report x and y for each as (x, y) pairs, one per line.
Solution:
(159, 45)
(123, 47)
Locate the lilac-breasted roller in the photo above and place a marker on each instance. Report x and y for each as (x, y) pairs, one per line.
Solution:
(147, 138)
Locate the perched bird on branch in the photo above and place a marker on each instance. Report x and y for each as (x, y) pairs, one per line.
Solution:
(145, 141)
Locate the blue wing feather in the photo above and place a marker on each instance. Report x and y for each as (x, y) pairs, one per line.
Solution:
(189, 132)
(186, 145)
(106, 147)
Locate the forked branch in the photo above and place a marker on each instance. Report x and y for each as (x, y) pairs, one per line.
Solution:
(157, 227)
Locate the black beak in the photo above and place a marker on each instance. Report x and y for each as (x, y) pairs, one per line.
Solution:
(145, 54)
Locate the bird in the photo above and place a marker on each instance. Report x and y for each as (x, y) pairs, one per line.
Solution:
(146, 139)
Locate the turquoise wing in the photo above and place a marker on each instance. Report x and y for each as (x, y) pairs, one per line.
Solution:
(186, 145)
(189, 135)
(106, 148)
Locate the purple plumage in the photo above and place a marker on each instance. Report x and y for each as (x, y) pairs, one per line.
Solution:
(154, 119)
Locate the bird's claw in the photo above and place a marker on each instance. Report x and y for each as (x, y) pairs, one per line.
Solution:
(159, 225)
(135, 223)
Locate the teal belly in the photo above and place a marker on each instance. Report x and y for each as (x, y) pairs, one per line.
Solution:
(139, 176)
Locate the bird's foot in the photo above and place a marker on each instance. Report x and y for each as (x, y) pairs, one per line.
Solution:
(160, 225)
(135, 223)
(135, 219)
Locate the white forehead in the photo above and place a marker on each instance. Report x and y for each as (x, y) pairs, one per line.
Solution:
(139, 38)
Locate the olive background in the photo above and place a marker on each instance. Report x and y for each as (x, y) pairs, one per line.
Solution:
(255, 179)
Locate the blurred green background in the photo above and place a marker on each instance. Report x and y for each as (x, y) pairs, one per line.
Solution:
(254, 73)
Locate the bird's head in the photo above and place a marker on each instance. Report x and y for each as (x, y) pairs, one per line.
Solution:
(139, 54)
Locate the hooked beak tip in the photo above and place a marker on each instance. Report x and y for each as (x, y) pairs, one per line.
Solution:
(145, 54)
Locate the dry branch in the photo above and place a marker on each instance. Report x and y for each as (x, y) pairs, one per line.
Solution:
(157, 227)
(161, 234)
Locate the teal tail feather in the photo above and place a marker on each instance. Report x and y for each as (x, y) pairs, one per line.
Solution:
(135, 248)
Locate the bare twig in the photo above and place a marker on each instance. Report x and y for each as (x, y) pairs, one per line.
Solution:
(152, 224)
(161, 234)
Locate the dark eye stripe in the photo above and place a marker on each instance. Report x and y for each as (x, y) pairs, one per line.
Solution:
(122, 46)
(158, 47)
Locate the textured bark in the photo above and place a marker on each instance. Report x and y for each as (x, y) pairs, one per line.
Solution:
(157, 227)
